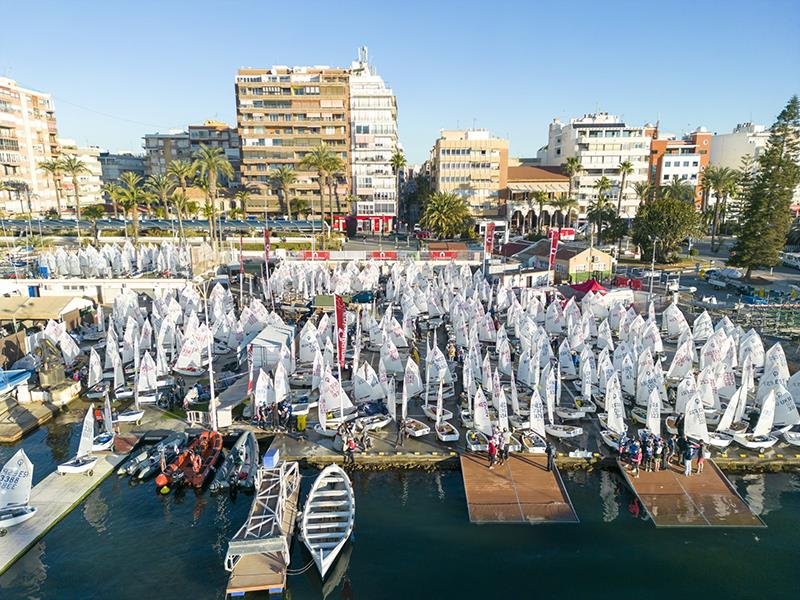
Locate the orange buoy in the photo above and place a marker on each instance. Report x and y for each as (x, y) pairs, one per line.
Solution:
(162, 480)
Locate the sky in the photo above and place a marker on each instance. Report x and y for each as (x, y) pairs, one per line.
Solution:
(118, 70)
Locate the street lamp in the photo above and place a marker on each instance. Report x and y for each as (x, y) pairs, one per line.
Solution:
(652, 268)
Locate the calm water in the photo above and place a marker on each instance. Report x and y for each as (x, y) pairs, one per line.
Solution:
(412, 539)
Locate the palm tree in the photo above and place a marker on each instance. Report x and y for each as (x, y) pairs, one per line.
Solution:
(398, 162)
(192, 208)
(446, 214)
(242, 197)
(598, 209)
(540, 197)
(181, 171)
(111, 190)
(94, 212)
(643, 191)
(677, 189)
(723, 181)
(572, 167)
(625, 169)
(53, 168)
(283, 178)
(320, 160)
(566, 205)
(160, 185)
(335, 167)
(180, 202)
(130, 195)
(73, 166)
(211, 163)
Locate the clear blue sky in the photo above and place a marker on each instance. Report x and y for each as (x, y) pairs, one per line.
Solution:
(510, 66)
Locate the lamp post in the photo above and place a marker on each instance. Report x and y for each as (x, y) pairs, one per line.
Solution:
(652, 269)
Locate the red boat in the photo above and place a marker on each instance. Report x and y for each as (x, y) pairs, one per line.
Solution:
(194, 465)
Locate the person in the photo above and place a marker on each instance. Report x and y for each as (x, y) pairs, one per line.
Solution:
(636, 458)
(115, 419)
(662, 455)
(492, 452)
(414, 354)
(670, 450)
(506, 442)
(575, 361)
(701, 457)
(401, 433)
(98, 417)
(687, 460)
(550, 453)
(351, 448)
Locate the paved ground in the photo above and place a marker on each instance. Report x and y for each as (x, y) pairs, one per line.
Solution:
(373, 242)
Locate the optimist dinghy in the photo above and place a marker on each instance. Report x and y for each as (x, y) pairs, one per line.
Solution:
(328, 517)
(15, 490)
(83, 462)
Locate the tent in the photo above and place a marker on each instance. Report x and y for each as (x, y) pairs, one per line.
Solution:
(590, 285)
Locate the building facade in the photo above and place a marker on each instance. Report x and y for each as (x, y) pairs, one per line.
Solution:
(601, 142)
(218, 135)
(89, 183)
(283, 113)
(680, 158)
(373, 141)
(473, 164)
(521, 193)
(115, 164)
(162, 148)
(27, 138)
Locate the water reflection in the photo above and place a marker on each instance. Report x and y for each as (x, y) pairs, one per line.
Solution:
(609, 492)
(439, 486)
(26, 576)
(59, 433)
(95, 511)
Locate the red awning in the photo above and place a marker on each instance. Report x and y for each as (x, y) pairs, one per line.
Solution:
(590, 285)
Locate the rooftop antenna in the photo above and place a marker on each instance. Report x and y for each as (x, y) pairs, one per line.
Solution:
(473, 122)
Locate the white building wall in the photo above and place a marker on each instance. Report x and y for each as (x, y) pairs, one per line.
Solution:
(685, 167)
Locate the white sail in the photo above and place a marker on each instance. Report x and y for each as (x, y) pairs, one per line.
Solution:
(87, 433)
(391, 402)
(502, 411)
(107, 415)
(439, 402)
(767, 416)
(189, 355)
(147, 378)
(694, 424)
(95, 369)
(537, 413)
(729, 416)
(786, 414)
(481, 416)
(15, 481)
(654, 413)
(614, 406)
(263, 394)
(412, 382)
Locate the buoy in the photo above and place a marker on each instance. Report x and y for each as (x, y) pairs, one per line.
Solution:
(165, 490)
(161, 480)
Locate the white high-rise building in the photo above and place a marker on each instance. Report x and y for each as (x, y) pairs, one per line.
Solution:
(601, 141)
(373, 141)
(90, 182)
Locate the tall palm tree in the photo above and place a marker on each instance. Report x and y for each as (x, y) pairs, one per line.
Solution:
(566, 206)
(446, 214)
(723, 181)
(598, 209)
(540, 197)
(283, 178)
(181, 171)
(54, 168)
(398, 162)
(192, 208)
(111, 189)
(180, 202)
(625, 169)
(131, 194)
(93, 213)
(74, 167)
(242, 197)
(643, 191)
(572, 168)
(211, 163)
(335, 167)
(319, 160)
(160, 185)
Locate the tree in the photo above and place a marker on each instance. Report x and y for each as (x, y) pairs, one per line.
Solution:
(74, 167)
(446, 215)
(211, 163)
(181, 171)
(643, 191)
(565, 205)
(242, 197)
(335, 167)
(723, 181)
(192, 208)
(320, 160)
(625, 169)
(54, 168)
(540, 197)
(160, 185)
(398, 162)
(766, 215)
(572, 168)
(598, 209)
(667, 220)
(283, 178)
(94, 212)
(110, 190)
(130, 195)
(181, 203)
(677, 189)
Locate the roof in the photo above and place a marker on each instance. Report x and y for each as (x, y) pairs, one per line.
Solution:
(590, 285)
(445, 245)
(512, 248)
(564, 252)
(528, 173)
(22, 308)
(274, 335)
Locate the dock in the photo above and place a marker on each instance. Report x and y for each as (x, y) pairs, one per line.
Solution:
(706, 500)
(258, 555)
(520, 491)
(54, 497)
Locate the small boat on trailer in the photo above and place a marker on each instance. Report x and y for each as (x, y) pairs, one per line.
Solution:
(130, 416)
(446, 432)
(372, 423)
(477, 441)
(102, 442)
(562, 431)
(719, 439)
(430, 412)
(194, 465)
(328, 517)
(465, 417)
(415, 428)
(15, 492)
(761, 437)
(792, 437)
(570, 413)
(611, 438)
(532, 442)
(325, 431)
(84, 462)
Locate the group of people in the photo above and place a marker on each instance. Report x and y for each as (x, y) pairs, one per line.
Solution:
(276, 416)
(654, 453)
(352, 440)
(499, 444)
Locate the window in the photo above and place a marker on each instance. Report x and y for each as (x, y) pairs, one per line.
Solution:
(666, 177)
(686, 163)
(668, 164)
(694, 163)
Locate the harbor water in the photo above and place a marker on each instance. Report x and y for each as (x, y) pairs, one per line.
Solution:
(412, 539)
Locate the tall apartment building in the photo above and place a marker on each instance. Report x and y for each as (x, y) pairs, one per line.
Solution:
(160, 149)
(114, 164)
(27, 138)
(283, 113)
(680, 158)
(373, 141)
(473, 164)
(89, 183)
(218, 135)
(601, 142)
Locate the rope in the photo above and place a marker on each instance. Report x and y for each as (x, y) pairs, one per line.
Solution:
(300, 571)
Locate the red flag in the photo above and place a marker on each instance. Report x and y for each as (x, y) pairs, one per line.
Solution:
(249, 369)
(553, 234)
(341, 328)
(266, 246)
(488, 239)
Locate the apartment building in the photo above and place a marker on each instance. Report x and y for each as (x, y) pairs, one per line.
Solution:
(218, 135)
(679, 158)
(473, 164)
(283, 113)
(89, 183)
(160, 149)
(601, 142)
(114, 164)
(373, 141)
(27, 138)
